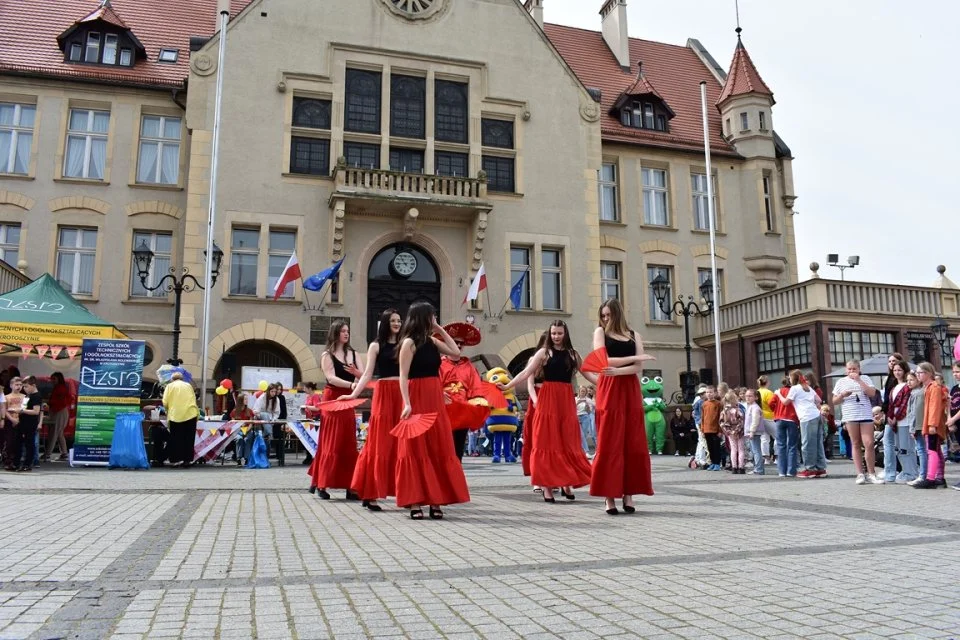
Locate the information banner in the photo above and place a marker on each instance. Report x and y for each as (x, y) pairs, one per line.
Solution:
(111, 372)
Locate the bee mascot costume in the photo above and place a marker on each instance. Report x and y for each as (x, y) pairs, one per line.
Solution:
(503, 423)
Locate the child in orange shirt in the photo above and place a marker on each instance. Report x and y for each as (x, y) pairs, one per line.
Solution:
(710, 425)
(934, 427)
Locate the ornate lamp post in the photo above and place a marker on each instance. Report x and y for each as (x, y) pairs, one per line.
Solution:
(177, 281)
(940, 329)
(685, 308)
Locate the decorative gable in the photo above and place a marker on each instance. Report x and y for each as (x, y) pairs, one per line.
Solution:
(641, 106)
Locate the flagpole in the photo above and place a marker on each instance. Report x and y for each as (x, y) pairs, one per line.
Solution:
(212, 211)
(711, 207)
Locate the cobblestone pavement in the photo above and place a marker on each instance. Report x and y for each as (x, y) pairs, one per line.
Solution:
(230, 553)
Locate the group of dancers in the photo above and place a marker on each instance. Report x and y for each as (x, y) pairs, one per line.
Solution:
(413, 359)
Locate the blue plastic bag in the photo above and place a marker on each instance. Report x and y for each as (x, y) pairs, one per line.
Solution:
(257, 458)
(127, 450)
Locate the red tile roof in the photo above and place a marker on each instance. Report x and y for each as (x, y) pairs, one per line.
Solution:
(106, 13)
(641, 87)
(675, 71)
(30, 29)
(743, 77)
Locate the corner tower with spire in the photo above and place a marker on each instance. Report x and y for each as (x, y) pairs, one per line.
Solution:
(746, 107)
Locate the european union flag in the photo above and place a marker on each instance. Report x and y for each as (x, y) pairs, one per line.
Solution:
(516, 293)
(317, 280)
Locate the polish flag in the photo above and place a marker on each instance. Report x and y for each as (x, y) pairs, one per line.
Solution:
(291, 273)
(479, 284)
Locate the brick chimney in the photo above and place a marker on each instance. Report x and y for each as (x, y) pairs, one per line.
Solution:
(535, 8)
(613, 16)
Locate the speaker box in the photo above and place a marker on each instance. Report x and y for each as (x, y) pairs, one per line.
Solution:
(706, 376)
(228, 363)
(689, 380)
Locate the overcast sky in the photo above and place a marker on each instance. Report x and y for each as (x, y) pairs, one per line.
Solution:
(866, 100)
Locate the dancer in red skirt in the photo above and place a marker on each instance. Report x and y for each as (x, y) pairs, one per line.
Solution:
(533, 387)
(375, 474)
(337, 448)
(621, 467)
(428, 470)
(556, 458)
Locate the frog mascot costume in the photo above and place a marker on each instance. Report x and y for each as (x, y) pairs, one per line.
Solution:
(654, 409)
(503, 423)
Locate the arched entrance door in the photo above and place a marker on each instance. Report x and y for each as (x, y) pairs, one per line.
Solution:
(255, 353)
(400, 275)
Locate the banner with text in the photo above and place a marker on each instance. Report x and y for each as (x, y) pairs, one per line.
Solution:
(111, 372)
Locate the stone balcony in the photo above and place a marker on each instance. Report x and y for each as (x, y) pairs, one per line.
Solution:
(918, 305)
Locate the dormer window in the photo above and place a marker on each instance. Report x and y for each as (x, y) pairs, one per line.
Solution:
(169, 55)
(644, 115)
(126, 57)
(101, 37)
(110, 48)
(93, 48)
(76, 50)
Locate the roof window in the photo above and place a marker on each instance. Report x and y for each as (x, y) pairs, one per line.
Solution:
(169, 55)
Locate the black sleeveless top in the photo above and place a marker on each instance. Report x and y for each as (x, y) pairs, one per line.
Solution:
(426, 361)
(557, 368)
(340, 369)
(620, 348)
(387, 366)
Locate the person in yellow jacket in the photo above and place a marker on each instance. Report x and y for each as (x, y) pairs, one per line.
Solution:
(180, 402)
(768, 428)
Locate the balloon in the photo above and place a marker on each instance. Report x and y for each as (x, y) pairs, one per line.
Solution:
(226, 383)
(264, 385)
(258, 394)
(222, 390)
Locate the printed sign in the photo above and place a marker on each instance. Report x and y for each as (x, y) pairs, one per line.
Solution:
(110, 375)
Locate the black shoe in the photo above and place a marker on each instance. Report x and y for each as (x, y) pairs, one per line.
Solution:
(926, 484)
(322, 494)
(568, 496)
(436, 514)
(628, 508)
(313, 490)
(942, 483)
(373, 507)
(612, 511)
(352, 496)
(416, 514)
(550, 500)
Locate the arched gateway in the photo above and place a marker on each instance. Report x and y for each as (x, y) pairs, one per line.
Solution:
(400, 275)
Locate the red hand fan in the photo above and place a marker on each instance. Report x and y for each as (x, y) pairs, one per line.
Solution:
(414, 426)
(595, 362)
(331, 406)
(464, 415)
(492, 394)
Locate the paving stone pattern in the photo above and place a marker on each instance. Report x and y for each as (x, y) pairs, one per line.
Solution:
(231, 553)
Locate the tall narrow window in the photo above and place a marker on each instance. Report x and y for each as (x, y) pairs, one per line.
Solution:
(500, 172)
(408, 109)
(768, 203)
(362, 104)
(701, 200)
(10, 243)
(86, 155)
(363, 156)
(282, 246)
(551, 276)
(126, 57)
(76, 52)
(159, 161)
(763, 121)
(93, 48)
(655, 197)
(244, 254)
(76, 259)
(161, 243)
(451, 111)
(609, 204)
(656, 313)
(309, 142)
(744, 121)
(520, 264)
(648, 116)
(16, 136)
(110, 48)
(610, 280)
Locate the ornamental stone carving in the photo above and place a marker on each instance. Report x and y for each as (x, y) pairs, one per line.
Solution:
(203, 64)
(416, 9)
(590, 111)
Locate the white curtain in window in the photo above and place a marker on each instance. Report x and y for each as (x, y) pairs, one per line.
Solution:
(22, 159)
(7, 112)
(75, 150)
(85, 279)
(6, 139)
(161, 266)
(148, 161)
(170, 167)
(101, 121)
(65, 270)
(98, 157)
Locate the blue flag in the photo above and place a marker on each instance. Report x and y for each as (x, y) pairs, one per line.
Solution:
(317, 280)
(516, 293)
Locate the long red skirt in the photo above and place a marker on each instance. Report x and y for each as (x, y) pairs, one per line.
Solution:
(557, 459)
(622, 464)
(527, 437)
(336, 458)
(428, 470)
(376, 474)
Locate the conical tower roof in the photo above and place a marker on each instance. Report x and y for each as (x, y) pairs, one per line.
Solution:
(743, 77)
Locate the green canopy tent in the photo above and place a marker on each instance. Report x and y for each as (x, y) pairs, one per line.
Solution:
(43, 313)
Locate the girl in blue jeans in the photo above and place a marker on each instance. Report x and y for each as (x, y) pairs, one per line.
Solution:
(753, 430)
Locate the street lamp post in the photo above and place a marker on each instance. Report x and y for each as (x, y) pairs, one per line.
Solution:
(685, 308)
(940, 329)
(176, 282)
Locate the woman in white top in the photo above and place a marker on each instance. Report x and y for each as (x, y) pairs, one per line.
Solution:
(806, 403)
(854, 392)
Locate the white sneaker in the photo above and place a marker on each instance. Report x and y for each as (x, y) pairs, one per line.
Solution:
(875, 480)
(861, 479)
(913, 482)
